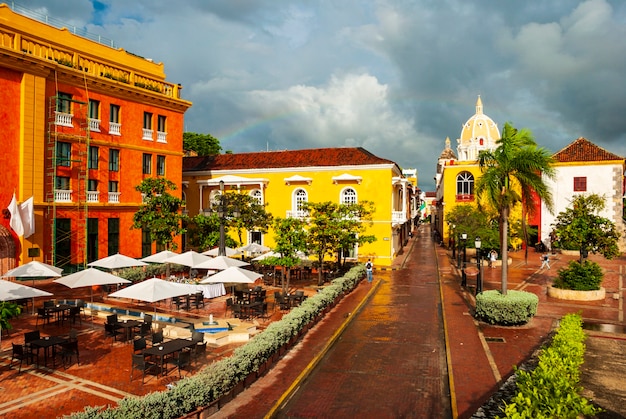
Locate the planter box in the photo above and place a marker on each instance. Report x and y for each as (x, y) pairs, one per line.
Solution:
(239, 388)
(222, 401)
(563, 294)
(251, 378)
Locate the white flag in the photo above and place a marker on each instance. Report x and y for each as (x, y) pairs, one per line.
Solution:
(16, 218)
(27, 213)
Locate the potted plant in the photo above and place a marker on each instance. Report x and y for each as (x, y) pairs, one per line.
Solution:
(8, 310)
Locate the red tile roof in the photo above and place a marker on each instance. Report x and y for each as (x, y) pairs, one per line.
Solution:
(584, 150)
(349, 156)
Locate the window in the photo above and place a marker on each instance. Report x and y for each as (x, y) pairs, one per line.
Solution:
(114, 160)
(146, 243)
(161, 123)
(160, 166)
(580, 184)
(64, 103)
(257, 195)
(113, 236)
(465, 184)
(299, 197)
(92, 185)
(114, 113)
(348, 196)
(92, 239)
(93, 157)
(147, 120)
(113, 186)
(147, 164)
(64, 154)
(94, 109)
(63, 183)
(63, 245)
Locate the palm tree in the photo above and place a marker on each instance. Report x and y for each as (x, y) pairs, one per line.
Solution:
(510, 174)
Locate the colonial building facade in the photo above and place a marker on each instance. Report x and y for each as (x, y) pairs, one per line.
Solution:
(83, 123)
(285, 179)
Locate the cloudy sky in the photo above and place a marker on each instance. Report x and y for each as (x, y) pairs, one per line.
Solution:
(393, 76)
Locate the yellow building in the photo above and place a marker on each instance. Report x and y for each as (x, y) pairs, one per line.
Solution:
(457, 172)
(285, 179)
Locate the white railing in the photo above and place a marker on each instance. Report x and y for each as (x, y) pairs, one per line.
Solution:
(398, 217)
(114, 197)
(93, 196)
(115, 128)
(161, 137)
(62, 195)
(297, 214)
(63, 119)
(94, 125)
(147, 134)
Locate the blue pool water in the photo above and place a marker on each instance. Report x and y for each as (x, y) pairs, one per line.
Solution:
(213, 330)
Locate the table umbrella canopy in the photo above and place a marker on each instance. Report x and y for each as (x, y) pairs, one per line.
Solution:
(190, 258)
(153, 290)
(254, 248)
(220, 263)
(10, 291)
(233, 275)
(116, 261)
(159, 257)
(90, 277)
(34, 269)
(216, 251)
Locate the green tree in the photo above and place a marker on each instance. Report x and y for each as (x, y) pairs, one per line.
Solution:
(202, 144)
(160, 213)
(8, 310)
(290, 237)
(483, 224)
(251, 215)
(580, 227)
(509, 173)
(353, 220)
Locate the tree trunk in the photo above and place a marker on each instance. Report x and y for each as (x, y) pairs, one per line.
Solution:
(320, 274)
(505, 249)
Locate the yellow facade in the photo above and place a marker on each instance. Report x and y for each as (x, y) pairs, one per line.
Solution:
(379, 181)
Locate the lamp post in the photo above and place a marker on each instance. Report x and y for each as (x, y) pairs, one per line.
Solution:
(451, 243)
(479, 265)
(464, 244)
(221, 213)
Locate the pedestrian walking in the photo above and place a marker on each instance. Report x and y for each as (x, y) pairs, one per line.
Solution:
(545, 261)
(369, 267)
(493, 256)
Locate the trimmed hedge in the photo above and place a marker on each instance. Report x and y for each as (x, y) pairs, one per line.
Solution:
(516, 307)
(580, 277)
(552, 389)
(219, 378)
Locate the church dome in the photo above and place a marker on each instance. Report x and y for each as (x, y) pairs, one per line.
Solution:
(447, 153)
(478, 133)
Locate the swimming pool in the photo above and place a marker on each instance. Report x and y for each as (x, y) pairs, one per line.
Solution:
(213, 330)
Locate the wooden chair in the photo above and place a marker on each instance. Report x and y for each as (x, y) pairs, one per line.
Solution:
(22, 354)
(199, 350)
(141, 363)
(197, 336)
(229, 305)
(81, 307)
(72, 315)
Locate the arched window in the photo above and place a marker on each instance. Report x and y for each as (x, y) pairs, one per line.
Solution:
(348, 196)
(215, 199)
(299, 197)
(465, 184)
(257, 195)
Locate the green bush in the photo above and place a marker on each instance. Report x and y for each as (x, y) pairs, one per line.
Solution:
(552, 389)
(516, 307)
(580, 277)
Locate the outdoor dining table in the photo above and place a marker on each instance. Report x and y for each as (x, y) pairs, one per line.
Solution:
(58, 311)
(128, 326)
(165, 349)
(46, 343)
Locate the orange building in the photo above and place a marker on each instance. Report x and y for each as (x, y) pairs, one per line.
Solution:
(83, 123)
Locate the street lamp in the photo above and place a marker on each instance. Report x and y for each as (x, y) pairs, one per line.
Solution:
(479, 265)
(451, 242)
(463, 275)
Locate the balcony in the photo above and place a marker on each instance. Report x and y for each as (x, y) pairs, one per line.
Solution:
(94, 125)
(161, 137)
(63, 119)
(114, 197)
(62, 195)
(398, 217)
(297, 214)
(115, 128)
(93, 196)
(147, 134)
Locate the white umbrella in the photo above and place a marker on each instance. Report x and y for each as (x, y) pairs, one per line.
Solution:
(90, 277)
(267, 255)
(190, 258)
(216, 251)
(233, 275)
(153, 290)
(220, 263)
(254, 248)
(159, 257)
(34, 269)
(116, 261)
(10, 291)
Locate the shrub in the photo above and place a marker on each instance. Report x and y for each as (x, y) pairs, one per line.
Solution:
(551, 390)
(580, 277)
(516, 307)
